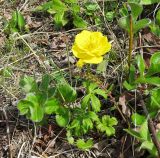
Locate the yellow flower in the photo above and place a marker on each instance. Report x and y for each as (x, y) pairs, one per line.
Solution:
(90, 47)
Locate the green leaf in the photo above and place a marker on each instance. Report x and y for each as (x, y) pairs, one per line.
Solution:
(67, 92)
(28, 84)
(45, 6)
(123, 11)
(107, 125)
(60, 19)
(144, 131)
(69, 137)
(140, 64)
(79, 22)
(134, 134)
(20, 21)
(144, 2)
(42, 97)
(85, 101)
(36, 111)
(155, 99)
(87, 124)
(92, 87)
(32, 98)
(155, 29)
(96, 105)
(140, 24)
(110, 15)
(100, 92)
(62, 121)
(75, 8)
(150, 147)
(7, 72)
(149, 80)
(138, 119)
(101, 68)
(51, 106)
(75, 123)
(147, 145)
(158, 17)
(109, 131)
(154, 64)
(45, 83)
(136, 10)
(59, 6)
(109, 121)
(91, 6)
(63, 116)
(133, 1)
(128, 86)
(81, 144)
(23, 106)
(132, 74)
(70, 1)
(124, 23)
(51, 92)
(14, 20)
(93, 116)
(148, 2)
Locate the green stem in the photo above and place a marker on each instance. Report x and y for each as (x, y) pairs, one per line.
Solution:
(130, 42)
(69, 65)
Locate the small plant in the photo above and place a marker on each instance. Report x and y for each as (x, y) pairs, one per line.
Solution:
(64, 12)
(53, 95)
(129, 21)
(155, 26)
(42, 100)
(142, 134)
(16, 23)
(148, 76)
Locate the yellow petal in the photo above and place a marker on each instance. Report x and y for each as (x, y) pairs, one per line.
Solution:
(93, 60)
(83, 39)
(102, 48)
(80, 63)
(81, 53)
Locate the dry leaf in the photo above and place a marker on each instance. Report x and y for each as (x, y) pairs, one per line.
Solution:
(125, 108)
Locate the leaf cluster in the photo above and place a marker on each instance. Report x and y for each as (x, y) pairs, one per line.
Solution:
(148, 76)
(64, 12)
(16, 23)
(56, 97)
(155, 25)
(130, 13)
(141, 133)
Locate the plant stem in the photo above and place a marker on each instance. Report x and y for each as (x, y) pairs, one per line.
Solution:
(130, 41)
(69, 65)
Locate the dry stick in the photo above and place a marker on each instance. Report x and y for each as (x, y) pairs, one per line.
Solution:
(34, 53)
(151, 128)
(8, 133)
(18, 60)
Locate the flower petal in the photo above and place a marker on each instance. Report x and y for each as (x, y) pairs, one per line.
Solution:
(81, 53)
(89, 47)
(80, 63)
(82, 40)
(93, 60)
(103, 47)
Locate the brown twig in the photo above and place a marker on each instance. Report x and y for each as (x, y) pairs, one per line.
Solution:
(8, 133)
(151, 128)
